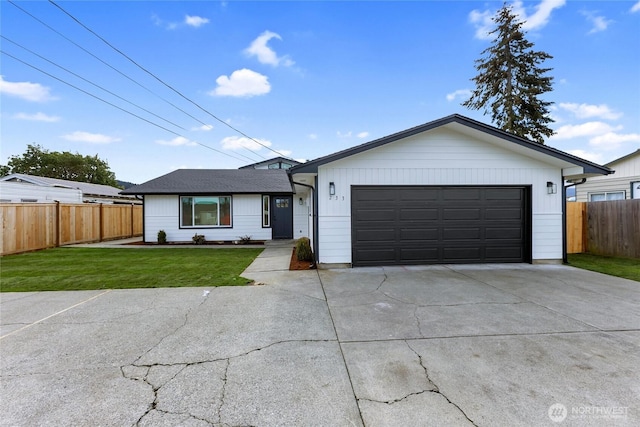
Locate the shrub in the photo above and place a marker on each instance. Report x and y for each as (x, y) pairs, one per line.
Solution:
(199, 239)
(303, 249)
(162, 237)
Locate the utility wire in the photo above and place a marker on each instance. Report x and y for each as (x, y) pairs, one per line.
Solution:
(90, 82)
(120, 108)
(162, 81)
(105, 63)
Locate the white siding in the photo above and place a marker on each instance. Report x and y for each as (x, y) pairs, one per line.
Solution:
(626, 172)
(439, 157)
(16, 192)
(162, 213)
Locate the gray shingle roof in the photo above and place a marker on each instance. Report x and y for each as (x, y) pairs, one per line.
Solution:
(219, 181)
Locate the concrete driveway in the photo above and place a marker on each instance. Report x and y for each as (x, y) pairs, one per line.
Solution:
(440, 345)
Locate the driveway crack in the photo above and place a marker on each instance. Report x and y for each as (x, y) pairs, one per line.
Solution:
(435, 389)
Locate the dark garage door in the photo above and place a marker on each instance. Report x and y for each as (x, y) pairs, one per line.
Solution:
(439, 225)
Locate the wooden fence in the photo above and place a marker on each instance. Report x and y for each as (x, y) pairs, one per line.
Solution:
(30, 226)
(604, 228)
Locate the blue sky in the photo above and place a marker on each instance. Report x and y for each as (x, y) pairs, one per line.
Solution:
(305, 79)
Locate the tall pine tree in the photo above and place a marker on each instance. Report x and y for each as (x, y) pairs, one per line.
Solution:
(511, 80)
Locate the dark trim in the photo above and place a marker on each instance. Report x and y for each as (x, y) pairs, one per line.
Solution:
(197, 227)
(589, 167)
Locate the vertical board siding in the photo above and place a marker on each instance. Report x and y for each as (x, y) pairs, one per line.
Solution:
(29, 227)
(613, 228)
(440, 157)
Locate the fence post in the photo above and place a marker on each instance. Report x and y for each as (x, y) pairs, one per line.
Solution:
(131, 234)
(57, 222)
(101, 219)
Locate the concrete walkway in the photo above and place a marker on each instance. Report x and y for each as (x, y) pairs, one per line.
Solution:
(487, 345)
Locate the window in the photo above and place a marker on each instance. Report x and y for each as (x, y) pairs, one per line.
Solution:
(266, 217)
(282, 203)
(285, 166)
(274, 166)
(607, 195)
(205, 211)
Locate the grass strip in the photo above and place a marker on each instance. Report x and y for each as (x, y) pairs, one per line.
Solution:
(65, 269)
(621, 267)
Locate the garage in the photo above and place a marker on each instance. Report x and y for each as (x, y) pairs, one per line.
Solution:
(402, 225)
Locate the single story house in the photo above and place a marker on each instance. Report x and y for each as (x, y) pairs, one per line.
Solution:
(453, 190)
(623, 184)
(23, 188)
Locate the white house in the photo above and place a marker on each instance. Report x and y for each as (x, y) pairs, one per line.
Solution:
(453, 190)
(624, 183)
(19, 187)
(450, 191)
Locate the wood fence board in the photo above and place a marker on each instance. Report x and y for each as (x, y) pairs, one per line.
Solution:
(30, 226)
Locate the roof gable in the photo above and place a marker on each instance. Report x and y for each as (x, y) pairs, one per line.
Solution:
(464, 125)
(219, 181)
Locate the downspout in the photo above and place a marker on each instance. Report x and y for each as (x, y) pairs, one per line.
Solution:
(315, 217)
(565, 259)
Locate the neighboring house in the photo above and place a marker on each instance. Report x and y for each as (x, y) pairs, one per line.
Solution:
(623, 184)
(275, 163)
(19, 187)
(453, 190)
(221, 204)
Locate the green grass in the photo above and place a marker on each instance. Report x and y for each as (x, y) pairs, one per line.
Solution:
(103, 268)
(620, 267)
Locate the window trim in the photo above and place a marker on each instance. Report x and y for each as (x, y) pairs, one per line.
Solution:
(194, 196)
(267, 212)
(605, 194)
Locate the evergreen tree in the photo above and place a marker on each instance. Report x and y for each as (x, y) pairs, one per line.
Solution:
(510, 81)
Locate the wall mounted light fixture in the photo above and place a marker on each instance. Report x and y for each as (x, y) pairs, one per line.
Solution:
(551, 188)
(300, 202)
(332, 189)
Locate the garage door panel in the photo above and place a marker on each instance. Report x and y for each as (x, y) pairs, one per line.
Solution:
(418, 214)
(376, 235)
(440, 224)
(424, 234)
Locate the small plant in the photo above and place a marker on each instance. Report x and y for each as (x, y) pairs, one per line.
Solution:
(162, 237)
(199, 239)
(245, 239)
(303, 249)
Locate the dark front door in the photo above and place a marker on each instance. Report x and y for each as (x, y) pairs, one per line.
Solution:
(439, 225)
(282, 217)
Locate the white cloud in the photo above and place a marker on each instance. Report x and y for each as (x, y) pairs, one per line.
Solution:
(178, 141)
(484, 23)
(588, 129)
(460, 93)
(264, 53)
(588, 155)
(37, 117)
(195, 21)
(28, 91)
(242, 83)
(612, 140)
(363, 135)
(238, 142)
(635, 7)
(599, 23)
(92, 138)
(203, 128)
(585, 111)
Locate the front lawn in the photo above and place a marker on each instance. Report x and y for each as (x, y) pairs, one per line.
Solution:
(105, 268)
(621, 267)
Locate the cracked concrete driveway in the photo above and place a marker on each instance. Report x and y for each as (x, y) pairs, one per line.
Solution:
(437, 345)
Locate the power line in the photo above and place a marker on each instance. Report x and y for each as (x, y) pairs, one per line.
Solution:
(162, 81)
(120, 108)
(90, 82)
(105, 63)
